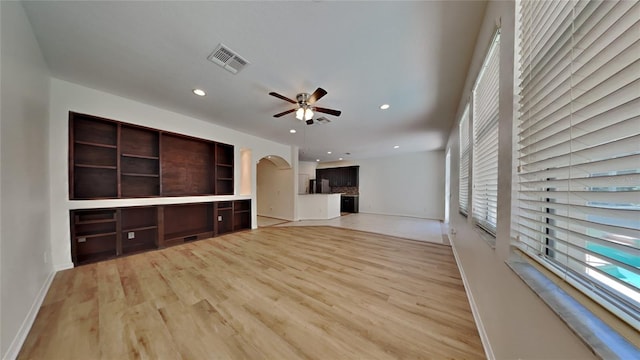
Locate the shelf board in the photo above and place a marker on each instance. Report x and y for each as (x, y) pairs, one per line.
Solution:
(224, 208)
(101, 221)
(183, 234)
(140, 175)
(224, 179)
(108, 146)
(95, 235)
(88, 166)
(141, 156)
(241, 211)
(224, 165)
(140, 228)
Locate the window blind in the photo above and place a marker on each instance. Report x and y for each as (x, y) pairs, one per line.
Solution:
(465, 151)
(485, 140)
(579, 146)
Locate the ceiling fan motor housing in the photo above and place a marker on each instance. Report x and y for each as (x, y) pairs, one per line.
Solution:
(302, 98)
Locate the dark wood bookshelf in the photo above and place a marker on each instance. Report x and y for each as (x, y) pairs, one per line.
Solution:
(139, 228)
(100, 234)
(93, 235)
(113, 159)
(224, 169)
(186, 222)
(241, 215)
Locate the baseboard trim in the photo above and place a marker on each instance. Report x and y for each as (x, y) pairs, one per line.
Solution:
(64, 266)
(21, 336)
(402, 215)
(474, 307)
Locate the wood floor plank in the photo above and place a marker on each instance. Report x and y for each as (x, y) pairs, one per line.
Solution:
(271, 293)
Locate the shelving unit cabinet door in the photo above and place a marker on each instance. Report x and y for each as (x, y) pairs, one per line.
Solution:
(93, 157)
(354, 175)
(139, 162)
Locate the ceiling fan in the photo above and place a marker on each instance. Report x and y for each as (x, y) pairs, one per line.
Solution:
(305, 108)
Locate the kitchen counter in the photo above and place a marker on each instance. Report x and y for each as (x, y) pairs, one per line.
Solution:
(318, 206)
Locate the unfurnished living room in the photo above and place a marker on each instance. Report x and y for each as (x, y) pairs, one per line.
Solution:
(320, 179)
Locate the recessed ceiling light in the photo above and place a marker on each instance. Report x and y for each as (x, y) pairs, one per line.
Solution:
(384, 106)
(293, 131)
(339, 158)
(397, 146)
(318, 160)
(199, 92)
(329, 152)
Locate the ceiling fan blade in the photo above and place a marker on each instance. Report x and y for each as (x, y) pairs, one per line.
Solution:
(284, 113)
(282, 97)
(328, 111)
(317, 95)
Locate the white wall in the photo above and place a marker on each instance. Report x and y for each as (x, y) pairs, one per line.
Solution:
(67, 97)
(514, 321)
(408, 184)
(24, 180)
(308, 168)
(306, 172)
(275, 191)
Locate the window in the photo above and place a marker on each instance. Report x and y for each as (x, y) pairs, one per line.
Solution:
(465, 150)
(579, 147)
(485, 140)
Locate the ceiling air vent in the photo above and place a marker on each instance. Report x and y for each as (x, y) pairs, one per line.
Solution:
(228, 59)
(323, 120)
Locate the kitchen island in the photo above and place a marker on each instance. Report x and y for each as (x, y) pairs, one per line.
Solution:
(318, 206)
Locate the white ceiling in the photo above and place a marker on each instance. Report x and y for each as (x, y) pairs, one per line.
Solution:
(411, 55)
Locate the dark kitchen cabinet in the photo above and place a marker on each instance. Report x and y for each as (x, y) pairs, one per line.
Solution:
(349, 203)
(341, 176)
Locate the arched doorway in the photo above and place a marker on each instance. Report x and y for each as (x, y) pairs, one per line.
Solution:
(274, 195)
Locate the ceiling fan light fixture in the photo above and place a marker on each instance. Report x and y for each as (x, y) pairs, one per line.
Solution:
(304, 113)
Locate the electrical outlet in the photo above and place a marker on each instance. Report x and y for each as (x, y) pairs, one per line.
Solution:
(219, 217)
(82, 239)
(131, 235)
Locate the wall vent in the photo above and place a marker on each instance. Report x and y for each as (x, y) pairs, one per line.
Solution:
(227, 59)
(323, 120)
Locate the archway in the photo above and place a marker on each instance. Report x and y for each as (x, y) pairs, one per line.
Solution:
(274, 195)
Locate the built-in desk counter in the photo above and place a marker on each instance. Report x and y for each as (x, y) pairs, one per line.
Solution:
(318, 206)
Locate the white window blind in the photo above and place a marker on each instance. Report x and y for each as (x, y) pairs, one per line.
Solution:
(485, 140)
(579, 146)
(465, 150)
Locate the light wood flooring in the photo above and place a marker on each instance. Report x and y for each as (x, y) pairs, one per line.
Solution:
(271, 293)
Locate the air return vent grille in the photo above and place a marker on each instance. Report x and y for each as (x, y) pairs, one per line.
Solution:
(322, 120)
(228, 59)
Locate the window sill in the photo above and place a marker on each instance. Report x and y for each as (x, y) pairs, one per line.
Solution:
(603, 340)
(486, 236)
